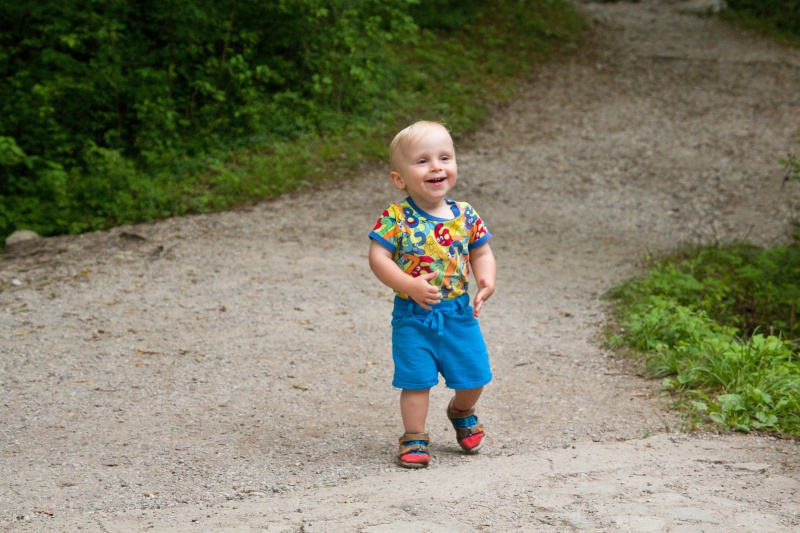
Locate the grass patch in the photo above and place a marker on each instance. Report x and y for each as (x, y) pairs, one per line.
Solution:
(768, 26)
(719, 325)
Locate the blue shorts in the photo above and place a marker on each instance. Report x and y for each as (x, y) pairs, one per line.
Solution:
(446, 340)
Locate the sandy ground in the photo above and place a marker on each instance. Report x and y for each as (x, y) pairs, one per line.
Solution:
(231, 372)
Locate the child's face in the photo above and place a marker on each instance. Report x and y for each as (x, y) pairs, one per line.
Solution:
(426, 168)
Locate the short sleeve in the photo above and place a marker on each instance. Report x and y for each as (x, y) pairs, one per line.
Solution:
(386, 229)
(478, 232)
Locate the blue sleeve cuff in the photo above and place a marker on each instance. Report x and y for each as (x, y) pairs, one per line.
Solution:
(483, 240)
(380, 240)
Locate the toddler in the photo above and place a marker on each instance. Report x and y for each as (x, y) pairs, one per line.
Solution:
(424, 248)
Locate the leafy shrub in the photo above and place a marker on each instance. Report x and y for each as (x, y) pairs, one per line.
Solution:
(784, 14)
(114, 112)
(698, 319)
(739, 285)
(792, 164)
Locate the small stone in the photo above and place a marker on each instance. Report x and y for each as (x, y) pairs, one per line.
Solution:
(751, 467)
(703, 7)
(20, 236)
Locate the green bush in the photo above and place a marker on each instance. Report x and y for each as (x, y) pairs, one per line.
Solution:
(784, 14)
(778, 20)
(719, 325)
(792, 165)
(114, 112)
(739, 285)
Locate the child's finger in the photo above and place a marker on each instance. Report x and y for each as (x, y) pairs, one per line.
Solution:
(478, 302)
(480, 299)
(429, 276)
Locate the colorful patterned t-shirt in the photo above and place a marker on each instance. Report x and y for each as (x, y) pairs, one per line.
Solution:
(421, 243)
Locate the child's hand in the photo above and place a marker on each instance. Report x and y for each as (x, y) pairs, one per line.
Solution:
(422, 292)
(484, 293)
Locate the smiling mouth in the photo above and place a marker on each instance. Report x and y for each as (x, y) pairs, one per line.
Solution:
(436, 180)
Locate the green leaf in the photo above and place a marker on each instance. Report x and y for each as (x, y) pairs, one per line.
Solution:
(731, 402)
(717, 417)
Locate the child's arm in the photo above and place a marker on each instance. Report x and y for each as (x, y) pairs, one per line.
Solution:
(484, 269)
(386, 270)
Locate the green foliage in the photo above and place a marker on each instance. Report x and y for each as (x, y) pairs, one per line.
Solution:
(114, 112)
(783, 14)
(446, 14)
(699, 317)
(739, 285)
(792, 164)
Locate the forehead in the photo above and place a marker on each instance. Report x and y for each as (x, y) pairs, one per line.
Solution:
(426, 136)
(413, 137)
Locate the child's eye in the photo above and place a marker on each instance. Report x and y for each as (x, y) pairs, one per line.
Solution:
(421, 161)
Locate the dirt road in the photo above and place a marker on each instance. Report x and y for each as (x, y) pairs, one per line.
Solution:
(231, 372)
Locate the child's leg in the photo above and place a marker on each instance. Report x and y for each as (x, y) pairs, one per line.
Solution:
(466, 399)
(414, 409)
(461, 412)
(413, 452)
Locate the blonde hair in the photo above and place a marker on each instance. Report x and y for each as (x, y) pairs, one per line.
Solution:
(409, 135)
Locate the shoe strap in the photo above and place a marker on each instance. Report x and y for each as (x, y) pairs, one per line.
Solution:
(452, 413)
(463, 433)
(408, 437)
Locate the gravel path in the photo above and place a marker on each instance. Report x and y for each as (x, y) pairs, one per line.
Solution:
(231, 372)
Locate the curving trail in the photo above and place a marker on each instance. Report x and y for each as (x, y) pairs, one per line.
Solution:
(230, 372)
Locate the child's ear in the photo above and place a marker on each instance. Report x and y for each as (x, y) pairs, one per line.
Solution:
(397, 180)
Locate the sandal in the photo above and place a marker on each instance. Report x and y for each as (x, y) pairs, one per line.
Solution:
(413, 452)
(469, 432)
